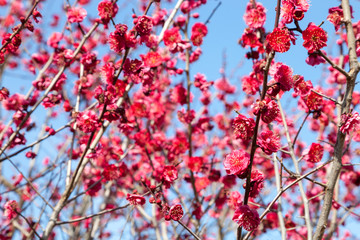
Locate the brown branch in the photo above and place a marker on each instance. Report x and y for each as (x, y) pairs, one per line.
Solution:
(267, 210)
(345, 108)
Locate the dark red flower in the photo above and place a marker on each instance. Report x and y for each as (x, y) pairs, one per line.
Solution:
(135, 199)
(335, 16)
(176, 212)
(283, 75)
(107, 10)
(246, 217)
(315, 153)
(314, 101)
(256, 183)
(4, 93)
(243, 127)
(144, 25)
(117, 39)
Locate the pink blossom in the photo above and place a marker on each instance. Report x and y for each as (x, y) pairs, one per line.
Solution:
(237, 162)
(255, 17)
(87, 121)
(349, 122)
(76, 14)
(11, 209)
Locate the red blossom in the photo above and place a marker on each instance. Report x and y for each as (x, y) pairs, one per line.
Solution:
(201, 82)
(198, 31)
(315, 59)
(172, 36)
(243, 127)
(117, 39)
(250, 39)
(107, 72)
(13, 43)
(195, 163)
(36, 14)
(4, 93)
(186, 117)
(92, 187)
(144, 25)
(224, 85)
(178, 94)
(314, 37)
(268, 108)
(235, 200)
(301, 87)
(335, 17)
(237, 162)
(268, 142)
(279, 40)
(152, 59)
(176, 212)
(256, 183)
(246, 217)
(54, 39)
(201, 183)
(283, 75)
(135, 199)
(170, 173)
(250, 84)
(314, 101)
(315, 153)
(111, 172)
(107, 10)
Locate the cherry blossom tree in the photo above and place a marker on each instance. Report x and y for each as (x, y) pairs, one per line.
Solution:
(115, 135)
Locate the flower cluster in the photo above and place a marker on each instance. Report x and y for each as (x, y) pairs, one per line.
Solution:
(198, 32)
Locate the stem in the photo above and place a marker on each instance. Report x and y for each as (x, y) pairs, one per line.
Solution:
(296, 164)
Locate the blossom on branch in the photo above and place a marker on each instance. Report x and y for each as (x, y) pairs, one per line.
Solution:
(237, 162)
(246, 217)
(11, 209)
(279, 40)
(314, 37)
(349, 122)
